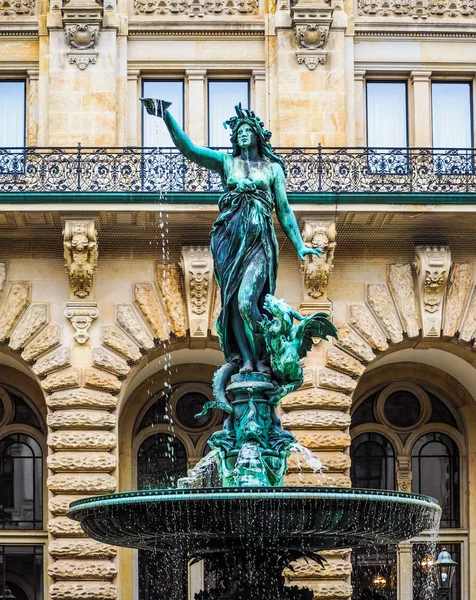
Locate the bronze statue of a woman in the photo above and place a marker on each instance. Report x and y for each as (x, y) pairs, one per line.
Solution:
(262, 346)
(243, 241)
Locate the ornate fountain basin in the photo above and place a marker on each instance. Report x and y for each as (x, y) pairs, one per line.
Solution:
(221, 519)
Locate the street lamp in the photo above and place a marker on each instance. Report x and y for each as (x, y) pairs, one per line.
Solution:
(444, 571)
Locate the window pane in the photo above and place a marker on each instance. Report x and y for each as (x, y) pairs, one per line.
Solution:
(222, 98)
(386, 115)
(21, 483)
(12, 114)
(373, 462)
(451, 105)
(161, 460)
(435, 472)
(367, 564)
(155, 134)
(21, 572)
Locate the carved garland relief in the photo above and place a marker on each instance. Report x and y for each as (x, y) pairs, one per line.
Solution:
(196, 8)
(417, 8)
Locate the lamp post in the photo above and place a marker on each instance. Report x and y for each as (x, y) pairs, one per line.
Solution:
(444, 571)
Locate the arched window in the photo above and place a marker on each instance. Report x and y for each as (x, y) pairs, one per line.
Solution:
(373, 462)
(435, 469)
(161, 460)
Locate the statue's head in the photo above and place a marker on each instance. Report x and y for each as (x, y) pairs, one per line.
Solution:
(245, 117)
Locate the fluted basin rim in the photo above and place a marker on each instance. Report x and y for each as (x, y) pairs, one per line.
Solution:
(308, 493)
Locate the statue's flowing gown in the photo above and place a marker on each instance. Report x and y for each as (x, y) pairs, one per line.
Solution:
(242, 235)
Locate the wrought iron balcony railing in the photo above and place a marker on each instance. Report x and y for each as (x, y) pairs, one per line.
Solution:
(310, 170)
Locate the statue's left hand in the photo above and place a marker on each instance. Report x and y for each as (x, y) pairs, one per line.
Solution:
(304, 251)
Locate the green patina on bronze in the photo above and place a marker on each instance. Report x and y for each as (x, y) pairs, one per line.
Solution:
(261, 343)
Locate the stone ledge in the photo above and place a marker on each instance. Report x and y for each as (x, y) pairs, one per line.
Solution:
(87, 590)
(316, 419)
(82, 440)
(82, 569)
(81, 419)
(81, 398)
(78, 548)
(314, 479)
(316, 398)
(67, 483)
(81, 461)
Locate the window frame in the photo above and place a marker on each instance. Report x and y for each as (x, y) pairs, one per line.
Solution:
(216, 79)
(467, 82)
(24, 81)
(407, 105)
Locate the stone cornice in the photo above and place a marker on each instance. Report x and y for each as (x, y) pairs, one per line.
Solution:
(389, 28)
(19, 29)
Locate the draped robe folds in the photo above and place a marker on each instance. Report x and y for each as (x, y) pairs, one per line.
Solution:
(242, 234)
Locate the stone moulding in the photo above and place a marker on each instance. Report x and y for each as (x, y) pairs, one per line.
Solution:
(311, 23)
(416, 9)
(196, 8)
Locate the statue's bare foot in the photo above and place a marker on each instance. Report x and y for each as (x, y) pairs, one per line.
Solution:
(262, 367)
(247, 367)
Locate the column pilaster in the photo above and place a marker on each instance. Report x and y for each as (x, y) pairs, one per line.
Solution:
(420, 133)
(195, 114)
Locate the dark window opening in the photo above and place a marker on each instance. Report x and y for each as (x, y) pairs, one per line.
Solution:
(373, 462)
(21, 572)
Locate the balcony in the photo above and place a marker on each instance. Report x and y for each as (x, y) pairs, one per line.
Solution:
(163, 174)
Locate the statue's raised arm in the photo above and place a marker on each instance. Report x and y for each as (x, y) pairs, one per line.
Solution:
(205, 157)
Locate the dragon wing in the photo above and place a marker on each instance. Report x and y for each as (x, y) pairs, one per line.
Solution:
(317, 325)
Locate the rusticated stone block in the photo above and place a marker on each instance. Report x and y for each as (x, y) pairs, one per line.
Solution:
(352, 342)
(332, 462)
(17, 301)
(103, 359)
(316, 398)
(67, 483)
(315, 479)
(379, 299)
(82, 569)
(169, 282)
(333, 569)
(60, 380)
(127, 318)
(81, 398)
(147, 302)
(323, 440)
(113, 338)
(34, 320)
(81, 419)
(95, 379)
(46, 340)
(78, 548)
(328, 378)
(86, 590)
(468, 327)
(459, 287)
(402, 286)
(58, 359)
(341, 361)
(83, 440)
(64, 527)
(316, 419)
(81, 461)
(364, 322)
(330, 590)
(58, 505)
(3, 275)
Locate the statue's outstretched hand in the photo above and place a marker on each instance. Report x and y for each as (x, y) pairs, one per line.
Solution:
(155, 107)
(304, 251)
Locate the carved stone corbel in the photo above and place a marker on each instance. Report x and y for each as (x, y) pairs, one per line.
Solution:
(197, 269)
(432, 265)
(312, 23)
(82, 21)
(317, 270)
(404, 473)
(81, 315)
(81, 255)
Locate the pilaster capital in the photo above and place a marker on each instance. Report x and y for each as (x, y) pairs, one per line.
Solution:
(33, 74)
(258, 75)
(196, 74)
(359, 75)
(420, 76)
(133, 74)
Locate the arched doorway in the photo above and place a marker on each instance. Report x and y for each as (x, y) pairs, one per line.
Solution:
(159, 440)
(409, 433)
(23, 507)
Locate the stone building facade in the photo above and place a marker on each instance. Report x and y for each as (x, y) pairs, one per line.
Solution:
(108, 300)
